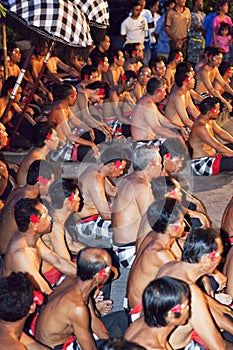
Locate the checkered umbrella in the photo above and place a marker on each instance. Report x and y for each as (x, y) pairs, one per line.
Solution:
(96, 11)
(59, 20)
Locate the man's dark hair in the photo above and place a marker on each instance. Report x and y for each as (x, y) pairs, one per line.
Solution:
(176, 148)
(61, 92)
(154, 60)
(8, 84)
(10, 47)
(87, 70)
(129, 48)
(97, 59)
(24, 208)
(224, 66)
(198, 243)
(60, 190)
(154, 84)
(16, 296)
(181, 72)
(39, 132)
(112, 54)
(207, 104)
(160, 296)
(161, 186)
(130, 74)
(163, 212)
(120, 344)
(89, 262)
(39, 167)
(114, 153)
(172, 55)
(213, 51)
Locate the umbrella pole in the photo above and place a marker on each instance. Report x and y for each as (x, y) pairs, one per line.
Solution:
(4, 51)
(35, 86)
(17, 84)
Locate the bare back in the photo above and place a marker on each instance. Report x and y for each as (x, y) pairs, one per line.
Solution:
(151, 255)
(65, 314)
(144, 120)
(133, 198)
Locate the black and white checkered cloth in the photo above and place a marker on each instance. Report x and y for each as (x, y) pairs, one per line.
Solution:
(61, 20)
(96, 11)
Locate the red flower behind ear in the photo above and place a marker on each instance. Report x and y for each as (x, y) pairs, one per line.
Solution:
(167, 156)
(117, 164)
(48, 137)
(86, 76)
(186, 79)
(101, 92)
(213, 110)
(213, 255)
(153, 162)
(104, 273)
(123, 78)
(177, 308)
(71, 197)
(38, 297)
(134, 52)
(35, 219)
(177, 56)
(42, 180)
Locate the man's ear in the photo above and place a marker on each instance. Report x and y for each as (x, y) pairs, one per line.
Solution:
(32, 308)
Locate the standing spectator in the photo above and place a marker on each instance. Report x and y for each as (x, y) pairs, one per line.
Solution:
(207, 26)
(101, 49)
(224, 40)
(153, 6)
(163, 47)
(134, 26)
(147, 14)
(196, 42)
(177, 24)
(221, 17)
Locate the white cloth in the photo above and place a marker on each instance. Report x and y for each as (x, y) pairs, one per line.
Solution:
(134, 29)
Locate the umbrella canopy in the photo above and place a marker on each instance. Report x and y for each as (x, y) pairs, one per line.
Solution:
(59, 20)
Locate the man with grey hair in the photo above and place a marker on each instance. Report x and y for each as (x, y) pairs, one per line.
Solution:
(134, 196)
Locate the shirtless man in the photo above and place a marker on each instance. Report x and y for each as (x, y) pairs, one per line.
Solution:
(17, 302)
(201, 255)
(147, 123)
(157, 66)
(166, 305)
(59, 119)
(144, 76)
(180, 102)
(36, 64)
(210, 156)
(26, 250)
(167, 223)
(115, 71)
(44, 139)
(40, 176)
(135, 53)
(133, 198)
(14, 53)
(69, 309)
(118, 108)
(94, 221)
(209, 73)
